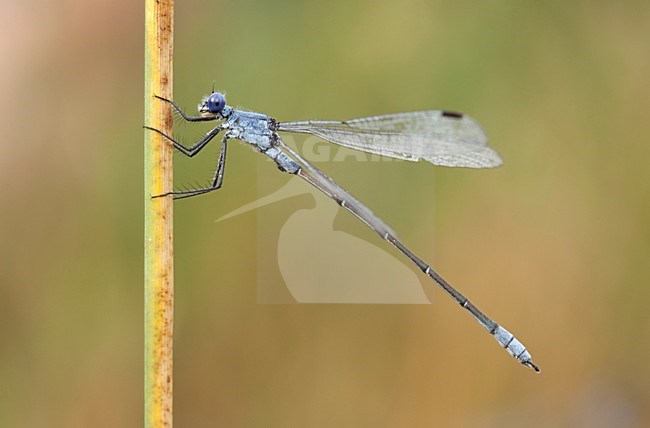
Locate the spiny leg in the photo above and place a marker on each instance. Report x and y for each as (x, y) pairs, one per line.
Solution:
(217, 180)
(193, 149)
(182, 113)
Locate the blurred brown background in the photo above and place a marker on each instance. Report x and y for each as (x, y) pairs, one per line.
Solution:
(555, 245)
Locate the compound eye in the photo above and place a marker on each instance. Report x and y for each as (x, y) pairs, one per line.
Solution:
(216, 102)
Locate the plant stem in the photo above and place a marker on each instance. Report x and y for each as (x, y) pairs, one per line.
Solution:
(158, 217)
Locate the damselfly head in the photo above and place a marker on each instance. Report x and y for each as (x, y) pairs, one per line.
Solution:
(213, 104)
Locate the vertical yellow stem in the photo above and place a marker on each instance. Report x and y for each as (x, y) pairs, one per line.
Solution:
(158, 217)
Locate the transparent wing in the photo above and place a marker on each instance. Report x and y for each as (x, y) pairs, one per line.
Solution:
(437, 136)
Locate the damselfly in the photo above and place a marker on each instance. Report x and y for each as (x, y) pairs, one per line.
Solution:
(436, 136)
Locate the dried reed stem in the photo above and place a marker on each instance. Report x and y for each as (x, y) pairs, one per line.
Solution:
(158, 217)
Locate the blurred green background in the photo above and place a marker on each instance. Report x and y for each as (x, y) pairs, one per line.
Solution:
(555, 244)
